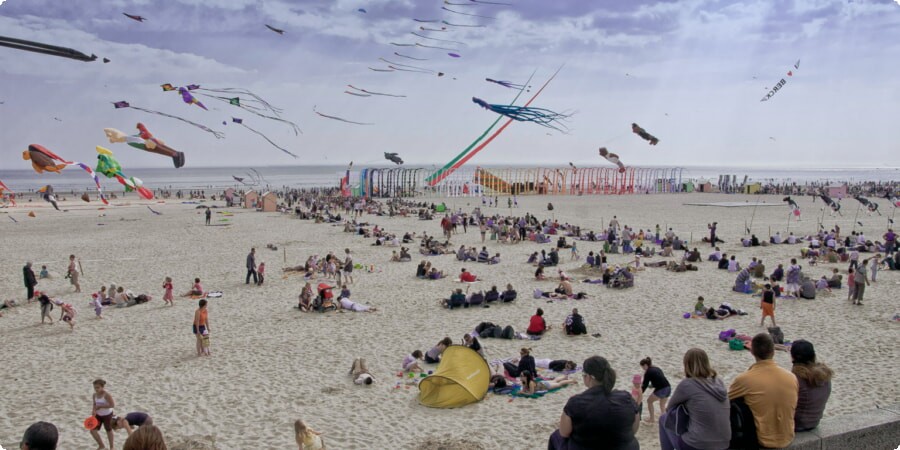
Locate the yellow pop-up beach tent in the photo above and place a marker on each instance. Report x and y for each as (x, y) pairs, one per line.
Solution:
(461, 378)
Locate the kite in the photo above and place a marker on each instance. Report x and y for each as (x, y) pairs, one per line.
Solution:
(47, 49)
(441, 29)
(402, 45)
(540, 116)
(454, 55)
(381, 70)
(190, 99)
(145, 141)
(274, 29)
(871, 206)
(426, 21)
(613, 158)
(435, 47)
(466, 14)
(795, 208)
(636, 129)
(436, 39)
(357, 94)
(370, 93)
(507, 84)
(393, 157)
(490, 3)
(362, 10)
(124, 104)
(477, 145)
(43, 160)
(4, 195)
(406, 67)
(153, 211)
(134, 17)
(254, 104)
(410, 57)
(780, 84)
(461, 25)
(339, 119)
(894, 199)
(831, 203)
(107, 165)
(241, 122)
(48, 196)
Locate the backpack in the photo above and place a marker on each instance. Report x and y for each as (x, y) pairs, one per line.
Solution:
(508, 332)
(743, 429)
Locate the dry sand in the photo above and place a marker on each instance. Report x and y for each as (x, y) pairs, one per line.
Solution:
(272, 364)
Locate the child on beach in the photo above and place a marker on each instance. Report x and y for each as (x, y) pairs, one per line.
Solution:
(699, 308)
(851, 283)
(636, 392)
(411, 362)
(201, 328)
(653, 376)
(767, 305)
(876, 261)
(167, 296)
(261, 273)
(97, 304)
(196, 289)
(574, 251)
(307, 438)
(44, 272)
(68, 314)
(204, 343)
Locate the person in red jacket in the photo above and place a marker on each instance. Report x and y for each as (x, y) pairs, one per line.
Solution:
(467, 276)
(537, 325)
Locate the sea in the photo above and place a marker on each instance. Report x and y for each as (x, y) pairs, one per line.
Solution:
(278, 177)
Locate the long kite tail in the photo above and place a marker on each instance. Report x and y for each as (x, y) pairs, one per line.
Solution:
(469, 155)
(217, 134)
(93, 175)
(270, 141)
(436, 177)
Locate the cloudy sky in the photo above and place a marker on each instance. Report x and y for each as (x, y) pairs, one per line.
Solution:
(691, 72)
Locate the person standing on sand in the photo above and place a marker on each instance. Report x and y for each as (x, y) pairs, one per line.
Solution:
(208, 215)
(73, 274)
(201, 324)
(251, 267)
(712, 233)
(30, 280)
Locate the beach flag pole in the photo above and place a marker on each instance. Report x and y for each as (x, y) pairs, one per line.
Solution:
(789, 223)
(80, 269)
(855, 217)
(284, 250)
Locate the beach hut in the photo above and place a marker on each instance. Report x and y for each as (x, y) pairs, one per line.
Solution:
(461, 378)
(752, 188)
(250, 199)
(687, 186)
(704, 186)
(269, 202)
(837, 191)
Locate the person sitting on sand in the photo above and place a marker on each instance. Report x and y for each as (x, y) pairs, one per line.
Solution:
(467, 277)
(411, 361)
(404, 255)
(574, 324)
(306, 298)
(307, 438)
(531, 386)
(433, 356)
(508, 295)
(360, 372)
(457, 300)
(196, 290)
(537, 325)
(495, 259)
(492, 295)
(346, 303)
(539, 273)
(564, 289)
(472, 342)
(716, 255)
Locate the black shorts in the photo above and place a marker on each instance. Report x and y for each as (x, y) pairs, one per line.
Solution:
(202, 329)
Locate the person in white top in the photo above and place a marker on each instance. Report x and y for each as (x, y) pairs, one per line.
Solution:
(360, 372)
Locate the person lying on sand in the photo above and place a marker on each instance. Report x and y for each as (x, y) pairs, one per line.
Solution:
(360, 372)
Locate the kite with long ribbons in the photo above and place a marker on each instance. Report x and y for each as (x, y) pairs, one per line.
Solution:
(477, 145)
(507, 84)
(540, 116)
(339, 118)
(241, 123)
(461, 25)
(43, 160)
(135, 17)
(48, 195)
(781, 83)
(795, 208)
(124, 104)
(831, 203)
(108, 166)
(145, 141)
(871, 206)
(47, 49)
(369, 93)
(466, 14)
(436, 39)
(410, 57)
(252, 103)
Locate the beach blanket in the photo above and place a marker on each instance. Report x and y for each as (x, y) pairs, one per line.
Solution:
(515, 392)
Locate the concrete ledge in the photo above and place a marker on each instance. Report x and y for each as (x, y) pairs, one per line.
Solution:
(871, 430)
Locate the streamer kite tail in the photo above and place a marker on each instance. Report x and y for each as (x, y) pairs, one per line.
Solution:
(241, 122)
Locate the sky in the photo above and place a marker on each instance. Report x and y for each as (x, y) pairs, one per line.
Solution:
(691, 72)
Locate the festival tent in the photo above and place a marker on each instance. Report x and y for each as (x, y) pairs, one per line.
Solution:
(461, 378)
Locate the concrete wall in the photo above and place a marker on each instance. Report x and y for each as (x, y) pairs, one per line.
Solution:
(878, 429)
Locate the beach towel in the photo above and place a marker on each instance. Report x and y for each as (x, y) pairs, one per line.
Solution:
(516, 392)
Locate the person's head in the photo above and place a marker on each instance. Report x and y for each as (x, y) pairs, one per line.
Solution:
(300, 431)
(202, 303)
(574, 311)
(524, 351)
(168, 280)
(147, 437)
(700, 299)
(646, 363)
(467, 338)
(526, 377)
(696, 364)
(509, 287)
(498, 381)
(71, 257)
(865, 262)
(196, 280)
(99, 385)
(28, 265)
(539, 312)
(803, 352)
(463, 270)
(636, 380)
(570, 365)
(253, 250)
(762, 346)
(40, 436)
(597, 372)
(120, 289)
(446, 342)
(793, 260)
(417, 354)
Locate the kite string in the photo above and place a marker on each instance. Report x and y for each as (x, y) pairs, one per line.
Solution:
(217, 134)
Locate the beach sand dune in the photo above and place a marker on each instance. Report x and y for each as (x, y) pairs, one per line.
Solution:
(271, 364)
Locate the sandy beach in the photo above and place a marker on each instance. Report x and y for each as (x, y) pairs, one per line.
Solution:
(272, 364)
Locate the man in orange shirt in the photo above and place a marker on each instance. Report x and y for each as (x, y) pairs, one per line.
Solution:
(771, 394)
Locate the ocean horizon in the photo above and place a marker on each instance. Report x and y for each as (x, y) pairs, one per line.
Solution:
(276, 177)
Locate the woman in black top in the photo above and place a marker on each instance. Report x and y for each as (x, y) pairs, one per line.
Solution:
(526, 362)
(653, 376)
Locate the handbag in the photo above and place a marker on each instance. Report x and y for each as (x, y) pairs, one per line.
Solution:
(677, 420)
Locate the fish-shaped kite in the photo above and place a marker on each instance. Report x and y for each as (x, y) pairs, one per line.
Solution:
(134, 17)
(277, 30)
